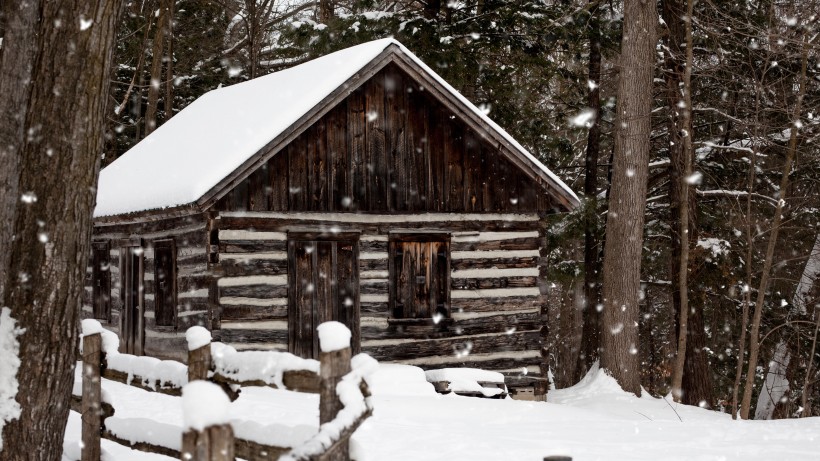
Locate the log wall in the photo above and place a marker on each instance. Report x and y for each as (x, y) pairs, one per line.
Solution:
(495, 299)
(193, 279)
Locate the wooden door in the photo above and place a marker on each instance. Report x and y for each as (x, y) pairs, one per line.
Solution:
(420, 276)
(132, 320)
(323, 285)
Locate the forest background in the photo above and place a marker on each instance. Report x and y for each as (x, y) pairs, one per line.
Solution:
(733, 164)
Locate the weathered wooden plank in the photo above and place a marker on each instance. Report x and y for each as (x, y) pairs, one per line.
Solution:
(527, 243)
(235, 267)
(278, 181)
(499, 263)
(500, 282)
(473, 173)
(251, 246)
(373, 264)
(495, 304)
(396, 138)
(377, 193)
(255, 291)
(377, 328)
(518, 359)
(243, 312)
(356, 140)
(163, 227)
(519, 340)
(374, 286)
(254, 336)
(297, 178)
(381, 224)
(321, 174)
(258, 189)
(339, 186)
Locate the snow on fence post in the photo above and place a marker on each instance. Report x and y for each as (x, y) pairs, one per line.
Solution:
(199, 353)
(334, 363)
(92, 395)
(207, 434)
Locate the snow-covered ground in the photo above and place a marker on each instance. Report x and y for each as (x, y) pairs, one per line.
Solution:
(593, 420)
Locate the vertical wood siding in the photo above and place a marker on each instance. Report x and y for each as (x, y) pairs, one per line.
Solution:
(389, 146)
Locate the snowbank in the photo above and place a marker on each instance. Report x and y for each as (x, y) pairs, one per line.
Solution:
(396, 379)
(9, 364)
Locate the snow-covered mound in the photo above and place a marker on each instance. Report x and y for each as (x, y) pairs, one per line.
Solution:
(600, 392)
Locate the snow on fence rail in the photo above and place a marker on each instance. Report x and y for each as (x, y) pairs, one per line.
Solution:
(342, 389)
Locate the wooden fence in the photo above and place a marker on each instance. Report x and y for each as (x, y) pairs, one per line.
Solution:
(333, 367)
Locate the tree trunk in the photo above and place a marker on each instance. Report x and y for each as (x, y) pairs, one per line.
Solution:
(591, 339)
(754, 335)
(17, 57)
(157, 56)
(624, 233)
(168, 103)
(71, 51)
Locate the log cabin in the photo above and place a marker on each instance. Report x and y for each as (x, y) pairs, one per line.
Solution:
(359, 187)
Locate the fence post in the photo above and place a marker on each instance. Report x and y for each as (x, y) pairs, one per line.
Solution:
(333, 365)
(199, 353)
(207, 435)
(92, 397)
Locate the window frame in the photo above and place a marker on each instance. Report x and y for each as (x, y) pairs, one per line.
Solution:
(421, 236)
(101, 280)
(164, 244)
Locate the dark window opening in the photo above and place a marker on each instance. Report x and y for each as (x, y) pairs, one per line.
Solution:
(165, 283)
(132, 320)
(101, 280)
(419, 275)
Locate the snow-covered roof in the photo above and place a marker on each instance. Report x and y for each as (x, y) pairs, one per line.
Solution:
(190, 154)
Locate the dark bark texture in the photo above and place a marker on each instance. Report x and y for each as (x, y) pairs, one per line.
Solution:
(590, 336)
(627, 200)
(697, 382)
(70, 47)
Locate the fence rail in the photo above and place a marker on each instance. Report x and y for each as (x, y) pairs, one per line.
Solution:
(335, 418)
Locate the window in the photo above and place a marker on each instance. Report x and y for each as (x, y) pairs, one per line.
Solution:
(419, 275)
(101, 280)
(165, 283)
(132, 320)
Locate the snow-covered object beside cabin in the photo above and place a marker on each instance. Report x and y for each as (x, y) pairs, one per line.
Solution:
(467, 380)
(197, 337)
(333, 336)
(396, 379)
(220, 131)
(204, 404)
(152, 372)
(9, 364)
(354, 406)
(266, 366)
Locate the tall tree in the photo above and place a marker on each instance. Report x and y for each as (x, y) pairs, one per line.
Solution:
(627, 200)
(68, 46)
(754, 334)
(591, 330)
